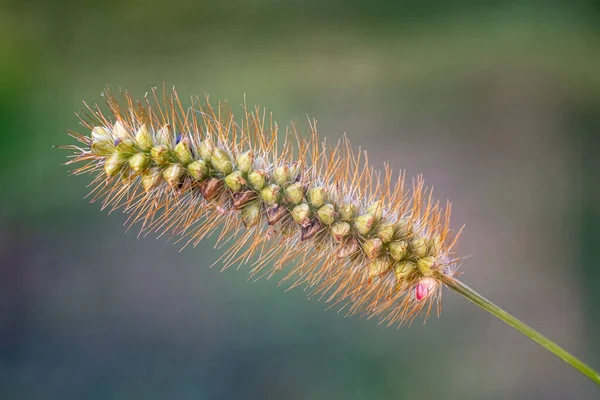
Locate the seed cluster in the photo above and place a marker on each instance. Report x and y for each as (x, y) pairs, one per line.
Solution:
(353, 236)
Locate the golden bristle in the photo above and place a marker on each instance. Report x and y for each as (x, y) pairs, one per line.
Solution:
(215, 196)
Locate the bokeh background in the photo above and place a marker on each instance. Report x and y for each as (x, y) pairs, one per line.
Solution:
(496, 103)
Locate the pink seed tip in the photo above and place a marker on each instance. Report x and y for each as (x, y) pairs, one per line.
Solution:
(422, 291)
(425, 287)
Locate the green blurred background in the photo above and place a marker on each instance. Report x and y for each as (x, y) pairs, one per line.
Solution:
(496, 103)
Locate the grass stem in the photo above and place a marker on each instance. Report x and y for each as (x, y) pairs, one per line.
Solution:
(471, 295)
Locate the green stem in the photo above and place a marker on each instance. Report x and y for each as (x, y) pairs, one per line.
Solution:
(471, 295)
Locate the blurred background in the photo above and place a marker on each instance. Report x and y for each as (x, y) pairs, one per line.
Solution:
(496, 103)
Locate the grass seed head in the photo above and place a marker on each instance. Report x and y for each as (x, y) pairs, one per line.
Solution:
(318, 215)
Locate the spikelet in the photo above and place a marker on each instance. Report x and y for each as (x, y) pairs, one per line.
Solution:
(291, 205)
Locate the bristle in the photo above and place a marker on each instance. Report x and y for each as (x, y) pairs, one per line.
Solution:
(316, 214)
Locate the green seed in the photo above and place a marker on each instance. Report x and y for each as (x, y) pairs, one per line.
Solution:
(347, 212)
(435, 244)
(294, 193)
(183, 152)
(165, 135)
(150, 178)
(205, 149)
(125, 146)
(270, 194)
(398, 249)
(364, 223)
(235, 181)
(257, 179)
(221, 161)
(425, 264)
(143, 137)
(102, 147)
(282, 175)
(385, 231)
(120, 132)
(403, 228)
(102, 142)
(404, 269)
(340, 230)
(160, 154)
(251, 214)
(301, 214)
(418, 246)
(114, 163)
(244, 161)
(326, 214)
(317, 196)
(173, 174)
(379, 266)
(294, 170)
(139, 162)
(376, 209)
(101, 133)
(198, 170)
(372, 247)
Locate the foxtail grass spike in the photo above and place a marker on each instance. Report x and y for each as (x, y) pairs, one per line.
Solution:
(285, 203)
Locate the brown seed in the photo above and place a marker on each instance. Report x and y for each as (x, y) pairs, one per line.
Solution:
(311, 229)
(210, 188)
(276, 213)
(240, 199)
(347, 249)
